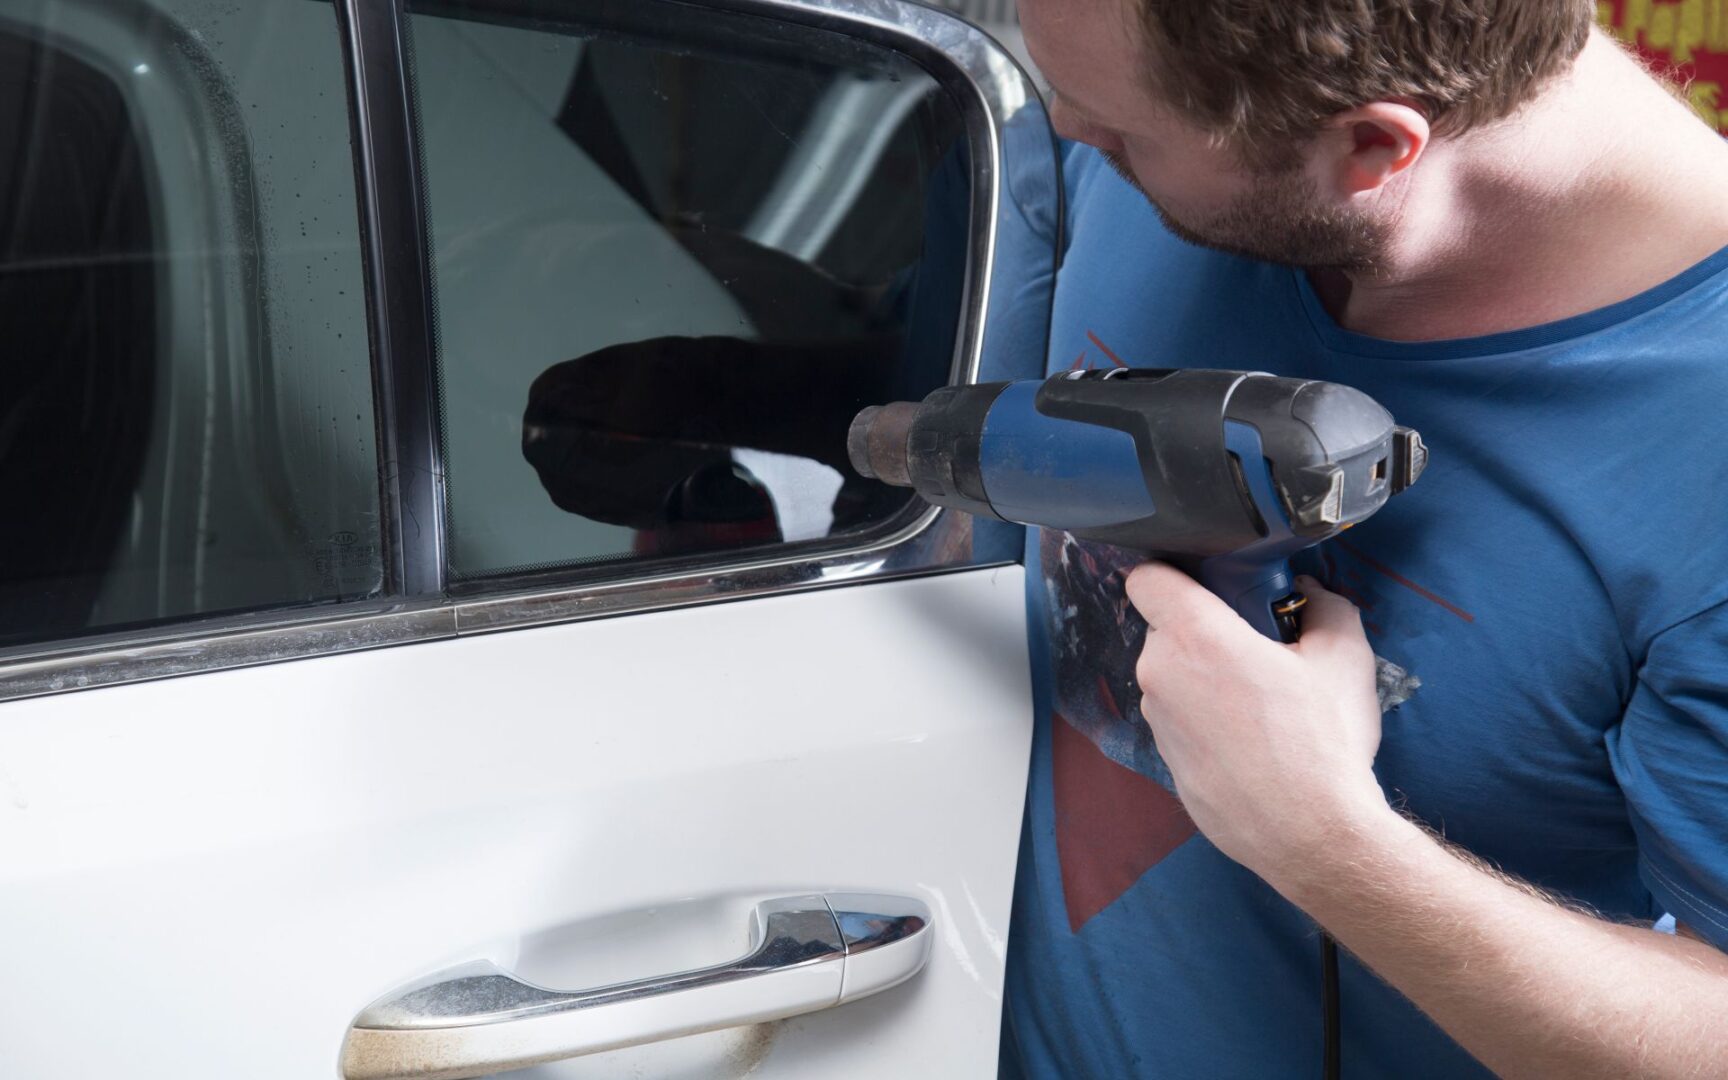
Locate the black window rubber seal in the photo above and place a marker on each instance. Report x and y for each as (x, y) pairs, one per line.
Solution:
(399, 295)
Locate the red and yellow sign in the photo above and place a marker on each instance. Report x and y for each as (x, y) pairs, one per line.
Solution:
(1687, 37)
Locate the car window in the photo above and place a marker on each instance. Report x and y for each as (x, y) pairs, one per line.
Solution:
(186, 422)
(675, 251)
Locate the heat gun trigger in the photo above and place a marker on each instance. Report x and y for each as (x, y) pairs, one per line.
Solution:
(1287, 613)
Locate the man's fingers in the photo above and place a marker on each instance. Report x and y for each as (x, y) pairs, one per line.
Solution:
(1163, 595)
(1328, 616)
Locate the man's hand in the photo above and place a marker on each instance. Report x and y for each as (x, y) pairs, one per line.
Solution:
(1271, 746)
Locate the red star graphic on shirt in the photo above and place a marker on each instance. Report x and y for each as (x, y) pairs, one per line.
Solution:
(1112, 824)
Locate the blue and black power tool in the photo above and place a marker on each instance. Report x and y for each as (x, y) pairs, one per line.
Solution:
(1226, 474)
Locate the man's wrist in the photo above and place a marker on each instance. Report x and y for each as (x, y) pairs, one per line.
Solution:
(1361, 830)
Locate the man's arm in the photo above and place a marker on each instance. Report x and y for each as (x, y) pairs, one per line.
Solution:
(1530, 987)
(1251, 729)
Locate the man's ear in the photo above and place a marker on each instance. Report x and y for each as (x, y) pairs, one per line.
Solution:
(1373, 143)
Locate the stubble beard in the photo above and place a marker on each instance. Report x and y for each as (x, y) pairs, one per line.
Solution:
(1281, 220)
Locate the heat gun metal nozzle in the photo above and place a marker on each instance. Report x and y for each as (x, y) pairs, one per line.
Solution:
(878, 442)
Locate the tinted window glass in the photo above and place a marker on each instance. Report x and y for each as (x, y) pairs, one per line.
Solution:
(185, 407)
(674, 256)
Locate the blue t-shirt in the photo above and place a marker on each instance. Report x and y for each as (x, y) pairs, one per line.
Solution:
(1553, 595)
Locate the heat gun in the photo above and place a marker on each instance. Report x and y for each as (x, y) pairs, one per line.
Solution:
(1226, 474)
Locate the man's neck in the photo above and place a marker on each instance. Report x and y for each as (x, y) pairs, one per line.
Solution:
(1602, 189)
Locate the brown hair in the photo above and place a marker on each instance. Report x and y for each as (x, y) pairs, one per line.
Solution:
(1265, 74)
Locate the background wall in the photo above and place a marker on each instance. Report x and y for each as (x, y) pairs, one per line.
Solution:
(1687, 38)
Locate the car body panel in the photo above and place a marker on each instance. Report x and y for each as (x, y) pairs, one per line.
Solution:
(209, 876)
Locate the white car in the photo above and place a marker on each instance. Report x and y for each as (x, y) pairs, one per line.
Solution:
(438, 634)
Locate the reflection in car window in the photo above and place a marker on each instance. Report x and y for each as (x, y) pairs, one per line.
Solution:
(674, 256)
(185, 408)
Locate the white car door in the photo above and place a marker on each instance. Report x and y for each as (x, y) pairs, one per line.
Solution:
(437, 632)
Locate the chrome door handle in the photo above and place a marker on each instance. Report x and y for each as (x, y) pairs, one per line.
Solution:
(806, 953)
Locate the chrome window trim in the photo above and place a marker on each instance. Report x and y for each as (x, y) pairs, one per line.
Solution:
(989, 87)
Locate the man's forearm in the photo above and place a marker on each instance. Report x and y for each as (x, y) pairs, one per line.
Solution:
(1531, 988)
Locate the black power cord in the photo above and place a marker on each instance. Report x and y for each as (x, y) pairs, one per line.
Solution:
(1329, 1014)
(1287, 615)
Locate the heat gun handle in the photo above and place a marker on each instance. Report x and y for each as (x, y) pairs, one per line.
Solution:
(1260, 592)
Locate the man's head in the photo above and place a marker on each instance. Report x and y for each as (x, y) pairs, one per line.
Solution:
(1278, 129)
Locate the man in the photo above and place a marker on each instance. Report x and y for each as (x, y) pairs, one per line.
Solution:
(1494, 221)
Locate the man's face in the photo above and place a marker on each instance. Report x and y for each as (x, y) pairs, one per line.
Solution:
(1093, 56)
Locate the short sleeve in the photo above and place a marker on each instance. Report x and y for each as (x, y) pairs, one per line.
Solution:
(1670, 755)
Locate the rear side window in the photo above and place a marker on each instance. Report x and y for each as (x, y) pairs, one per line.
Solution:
(186, 421)
(674, 255)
